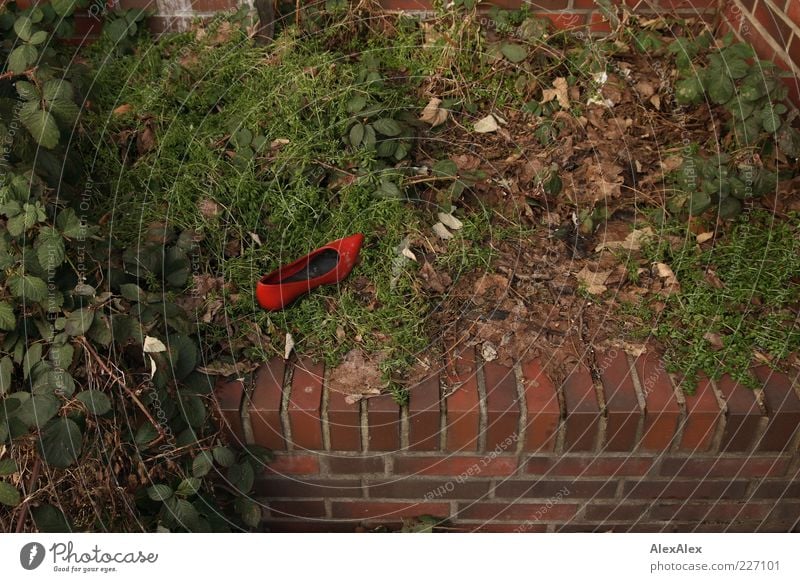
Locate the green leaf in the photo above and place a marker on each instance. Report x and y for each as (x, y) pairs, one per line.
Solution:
(181, 512)
(356, 104)
(771, 121)
(28, 288)
(720, 88)
(61, 442)
(33, 356)
(61, 355)
(64, 7)
(186, 355)
(95, 401)
(79, 321)
(249, 510)
(22, 57)
(224, 456)
(38, 37)
(730, 208)
(356, 135)
(8, 319)
(387, 126)
(9, 495)
(242, 477)
(41, 125)
(117, 29)
(27, 91)
(49, 248)
(23, 27)
(188, 486)
(8, 466)
(445, 169)
(56, 381)
(688, 90)
(160, 492)
(69, 224)
(6, 368)
(514, 52)
(37, 410)
(193, 410)
(202, 464)
(57, 89)
(49, 519)
(699, 203)
(145, 434)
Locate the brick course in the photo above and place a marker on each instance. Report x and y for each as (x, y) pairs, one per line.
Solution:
(715, 460)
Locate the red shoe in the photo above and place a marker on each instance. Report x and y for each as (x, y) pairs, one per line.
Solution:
(325, 266)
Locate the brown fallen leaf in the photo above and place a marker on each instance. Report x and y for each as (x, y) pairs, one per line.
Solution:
(594, 281)
(433, 280)
(632, 242)
(434, 115)
(559, 92)
(208, 208)
(145, 140)
(358, 375)
(123, 109)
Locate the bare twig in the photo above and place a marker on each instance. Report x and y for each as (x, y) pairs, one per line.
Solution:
(23, 510)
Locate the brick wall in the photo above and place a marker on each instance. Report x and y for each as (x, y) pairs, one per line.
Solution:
(773, 28)
(489, 448)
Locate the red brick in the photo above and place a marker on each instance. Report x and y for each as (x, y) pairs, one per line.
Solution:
(298, 488)
(783, 409)
(228, 397)
(541, 403)
(517, 511)
(709, 511)
(563, 20)
(387, 509)
(772, 23)
(427, 489)
(498, 527)
(308, 526)
(355, 465)
(583, 412)
(687, 4)
(622, 511)
(546, 489)
(463, 410)
(424, 415)
(383, 417)
(413, 5)
(502, 408)
(344, 423)
(661, 406)
(725, 467)
(793, 11)
(213, 5)
(622, 406)
(702, 414)
(292, 464)
(456, 466)
(778, 489)
(590, 466)
(284, 509)
(265, 408)
(305, 404)
(673, 489)
(743, 416)
(598, 23)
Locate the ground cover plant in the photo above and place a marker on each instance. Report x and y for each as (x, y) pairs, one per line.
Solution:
(521, 189)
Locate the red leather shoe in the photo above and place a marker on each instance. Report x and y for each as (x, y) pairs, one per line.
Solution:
(325, 266)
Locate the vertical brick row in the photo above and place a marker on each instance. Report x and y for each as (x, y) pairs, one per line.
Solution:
(743, 416)
(502, 407)
(383, 420)
(305, 404)
(582, 409)
(543, 411)
(265, 406)
(229, 397)
(344, 423)
(463, 406)
(783, 408)
(622, 405)
(702, 415)
(423, 415)
(662, 410)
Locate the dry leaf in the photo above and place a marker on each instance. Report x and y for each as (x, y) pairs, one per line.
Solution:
(441, 231)
(279, 143)
(560, 92)
(486, 125)
(450, 221)
(153, 345)
(145, 140)
(632, 242)
(714, 339)
(208, 208)
(152, 366)
(488, 352)
(123, 109)
(256, 239)
(406, 252)
(288, 346)
(218, 368)
(704, 236)
(435, 281)
(594, 281)
(433, 114)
